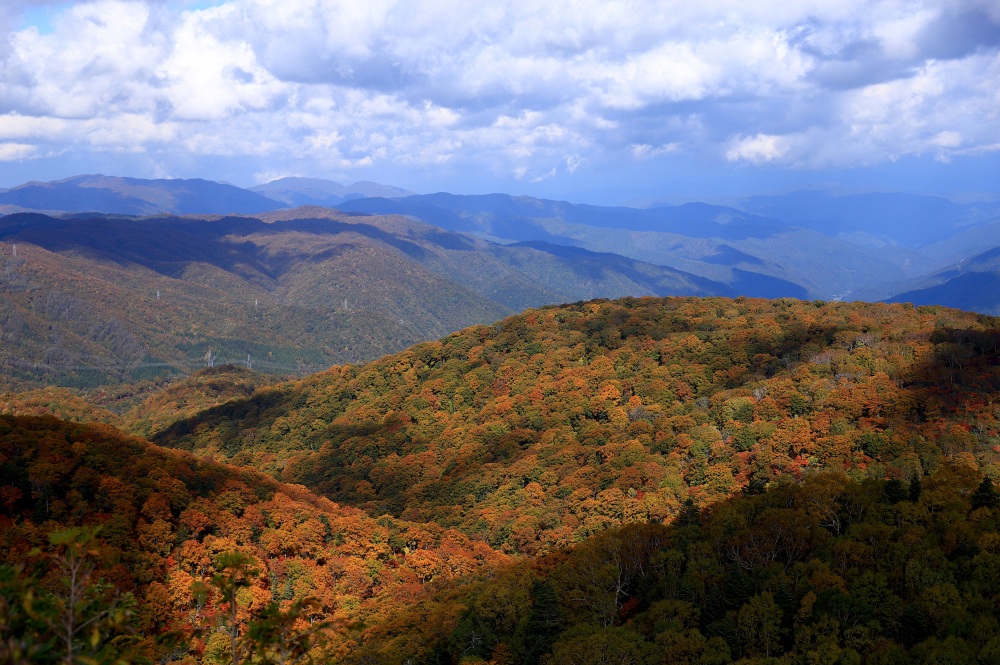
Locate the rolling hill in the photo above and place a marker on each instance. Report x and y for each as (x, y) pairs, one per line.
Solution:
(165, 521)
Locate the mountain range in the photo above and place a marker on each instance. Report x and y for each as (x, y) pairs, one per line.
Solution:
(810, 244)
(847, 255)
(92, 299)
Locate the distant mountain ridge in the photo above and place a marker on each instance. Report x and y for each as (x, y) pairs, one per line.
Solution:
(807, 244)
(973, 284)
(295, 191)
(512, 217)
(905, 219)
(752, 254)
(92, 299)
(134, 196)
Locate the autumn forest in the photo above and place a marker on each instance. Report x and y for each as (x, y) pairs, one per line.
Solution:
(634, 481)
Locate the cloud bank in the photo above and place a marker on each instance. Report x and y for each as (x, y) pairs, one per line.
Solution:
(531, 91)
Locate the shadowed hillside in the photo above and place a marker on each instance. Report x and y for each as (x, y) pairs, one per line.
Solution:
(830, 570)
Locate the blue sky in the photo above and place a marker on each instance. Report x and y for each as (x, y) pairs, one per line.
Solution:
(604, 102)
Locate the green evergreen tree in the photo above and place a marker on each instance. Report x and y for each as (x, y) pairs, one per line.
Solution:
(24, 635)
(85, 615)
(985, 495)
(83, 620)
(893, 491)
(534, 638)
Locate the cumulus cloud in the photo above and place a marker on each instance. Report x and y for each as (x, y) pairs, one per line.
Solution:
(758, 149)
(16, 151)
(537, 90)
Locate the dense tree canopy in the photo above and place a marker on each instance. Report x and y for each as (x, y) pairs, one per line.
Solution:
(829, 570)
(641, 481)
(167, 521)
(555, 424)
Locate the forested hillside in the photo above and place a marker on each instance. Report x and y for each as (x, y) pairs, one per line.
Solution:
(831, 570)
(557, 423)
(640, 481)
(99, 300)
(159, 526)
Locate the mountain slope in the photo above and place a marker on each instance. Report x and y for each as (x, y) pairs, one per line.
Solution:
(973, 284)
(821, 571)
(166, 520)
(753, 255)
(93, 299)
(557, 423)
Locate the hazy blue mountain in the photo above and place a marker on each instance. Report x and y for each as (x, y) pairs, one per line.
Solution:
(295, 191)
(974, 291)
(808, 244)
(973, 284)
(959, 247)
(517, 217)
(134, 196)
(753, 255)
(906, 219)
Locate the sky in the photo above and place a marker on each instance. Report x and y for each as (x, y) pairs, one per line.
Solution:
(610, 102)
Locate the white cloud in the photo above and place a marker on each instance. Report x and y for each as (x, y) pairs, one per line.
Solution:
(758, 149)
(17, 126)
(503, 87)
(945, 107)
(11, 152)
(548, 175)
(646, 151)
(573, 162)
(947, 140)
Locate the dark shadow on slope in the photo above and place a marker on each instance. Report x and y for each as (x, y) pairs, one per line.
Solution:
(169, 244)
(974, 292)
(724, 255)
(166, 245)
(593, 266)
(756, 285)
